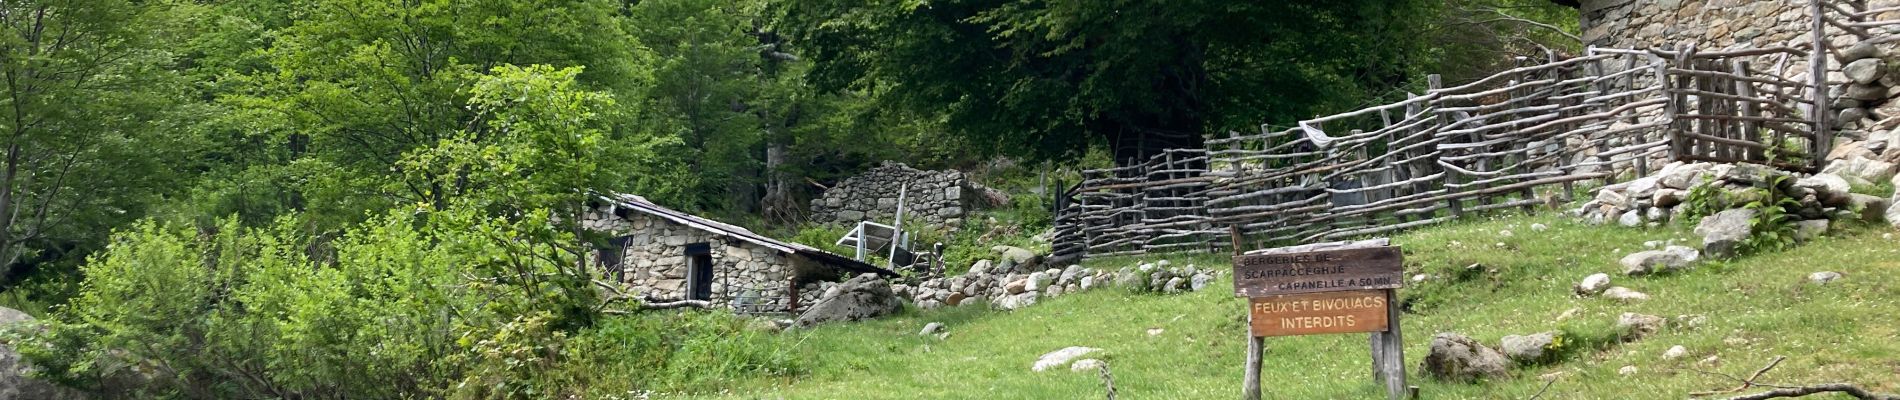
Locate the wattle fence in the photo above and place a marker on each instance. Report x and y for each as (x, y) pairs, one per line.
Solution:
(1517, 139)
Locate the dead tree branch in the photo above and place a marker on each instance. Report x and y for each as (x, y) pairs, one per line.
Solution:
(1540, 392)
(1108, 381)
(1780, 391)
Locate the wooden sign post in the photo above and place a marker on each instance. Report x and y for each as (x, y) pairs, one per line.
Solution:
(1339, 289)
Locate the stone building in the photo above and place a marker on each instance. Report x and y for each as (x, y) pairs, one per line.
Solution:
(666, 255)
(936, 198)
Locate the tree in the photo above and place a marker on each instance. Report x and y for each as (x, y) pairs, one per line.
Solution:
(1048, 78)
(86, 124)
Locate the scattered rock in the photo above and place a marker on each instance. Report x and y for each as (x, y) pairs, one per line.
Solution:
(1675, 352)
(1624, 294)
(1635, 326)
(1199, 282)
(862, 297)
(1086, 365)
(1454, 357)
(1824, 277)
(1061, 357)
(1155, 331)
(1655, 261)
(1627, 370)
(1539, 227)
(1528, 349)
(1594, 284)
(1723, 233)
(1709, 362)
(1505, 233)
(931, 328)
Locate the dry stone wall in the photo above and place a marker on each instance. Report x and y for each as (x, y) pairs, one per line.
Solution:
(655, 263)
(936, 198)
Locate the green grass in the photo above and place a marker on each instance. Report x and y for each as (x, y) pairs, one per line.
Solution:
(1758, 307)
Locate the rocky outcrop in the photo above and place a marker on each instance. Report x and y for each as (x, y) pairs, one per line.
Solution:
(15, 382)
(863, 297)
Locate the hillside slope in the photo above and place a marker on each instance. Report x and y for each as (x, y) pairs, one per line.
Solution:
(1757, 308)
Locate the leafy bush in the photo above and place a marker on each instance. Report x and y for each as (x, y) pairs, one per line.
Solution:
(1774, 224)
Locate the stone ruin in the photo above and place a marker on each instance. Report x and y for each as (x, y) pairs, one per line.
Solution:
(934, 198)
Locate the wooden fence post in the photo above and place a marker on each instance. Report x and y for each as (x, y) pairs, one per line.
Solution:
(1817, 91)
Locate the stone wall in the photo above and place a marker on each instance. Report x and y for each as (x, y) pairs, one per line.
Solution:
(936, 198)
(655, 261)
(1860, 95)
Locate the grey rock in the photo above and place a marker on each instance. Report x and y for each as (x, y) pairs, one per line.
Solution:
(1199, 282)
(1863, 168)
(1060, 357)
(1848, 116)
(1872, 208)
(1631, 218)
(1037, 281)
(1653, 261)
(1022, 257)
(1620, 293)
(1633, 326)
(1824, 277)
(1086, 365)
(862, 297)
(1675, 352)
(1810, 229)
(981, 267)
(1723, 233)
(16, 381)
(1593, 284)
(1859, 51)
(1455, 358)
(931, 328)
(1865, 92)
(1069, 274)
(1528, 349)
(1831, 189)
(1173, 285)
(1539, 227)
(1893, 212)
(1686, 176)
(1667, 197)
(1086, 282)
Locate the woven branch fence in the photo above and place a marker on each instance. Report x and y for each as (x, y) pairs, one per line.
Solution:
(1516, 139)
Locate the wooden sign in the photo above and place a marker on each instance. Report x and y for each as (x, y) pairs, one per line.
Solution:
(1318, 271)
(1348, 290)
(1319, 313)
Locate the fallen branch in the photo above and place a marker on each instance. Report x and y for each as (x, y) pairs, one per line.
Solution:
(1540, 392)
(1109, 381)
(1849, 389)
(1746, 383)
(1789, 391)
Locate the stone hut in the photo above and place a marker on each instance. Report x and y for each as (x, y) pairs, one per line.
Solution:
(936, 198)
(667, 255)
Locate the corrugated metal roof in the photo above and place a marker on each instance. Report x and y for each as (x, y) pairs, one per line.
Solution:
(644, 206)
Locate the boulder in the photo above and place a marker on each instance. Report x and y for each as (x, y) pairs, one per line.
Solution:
(980, 268)
(1849, 115)
(1620, 293)
(1686, 176)
(1593, 284)
(1810, 229)
(1172, 286)
(931, 328)
(16, 381)
(1871, 207)
(1824, 277)
(862, 297)
(1022, 258)
(1864, 71)
(1199, 282)
(1893, 212)
(1633, 326)
(1667, 197)
(1456, 358)
(1723, 233)
(1863, 168)
(1829, 188)
(1631, 218)
(1015, 301)
(1860, 51)
(1675, 352)
(1036, 282)
(1528, 349)
(1069, 274)
(1655, 261)
(1061, 357)
(1865, 92)
(1539, 227)
(1086, 365)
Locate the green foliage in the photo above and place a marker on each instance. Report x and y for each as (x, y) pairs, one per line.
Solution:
(1703, 201)
(1773, 226)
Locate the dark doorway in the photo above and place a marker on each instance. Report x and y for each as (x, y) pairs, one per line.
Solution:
(699, 271)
